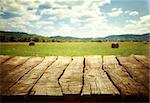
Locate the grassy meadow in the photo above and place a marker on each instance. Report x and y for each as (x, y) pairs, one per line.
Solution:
(73, 49)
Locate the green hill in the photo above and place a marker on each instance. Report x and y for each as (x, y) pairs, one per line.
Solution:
(129, 37)
(6, 36)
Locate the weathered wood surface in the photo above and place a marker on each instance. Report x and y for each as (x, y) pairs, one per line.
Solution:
(143, 59)
(137, 70)
(23, 86)
(62, 75)
(3, 58)
(123, 81)
(11, 64)
(48, 84)
(95, 79)
(71, 80)
(13, 77)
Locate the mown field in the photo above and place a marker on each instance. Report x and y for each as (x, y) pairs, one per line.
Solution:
(73, 49)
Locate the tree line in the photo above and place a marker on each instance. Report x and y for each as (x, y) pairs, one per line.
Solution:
(6, 36)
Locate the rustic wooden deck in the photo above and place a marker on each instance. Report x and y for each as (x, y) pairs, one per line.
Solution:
(82, 76)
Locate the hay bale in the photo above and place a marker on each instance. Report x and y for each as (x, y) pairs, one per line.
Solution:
(114, 45)
(145, 42)
(117, 45)
(31, 43)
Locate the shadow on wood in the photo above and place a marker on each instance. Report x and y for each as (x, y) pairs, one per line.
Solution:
(73, 98)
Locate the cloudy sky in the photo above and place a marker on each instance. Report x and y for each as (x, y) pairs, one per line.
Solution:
(78, 18)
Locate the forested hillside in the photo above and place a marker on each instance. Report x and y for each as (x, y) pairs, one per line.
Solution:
(20, 37)
(25, 37)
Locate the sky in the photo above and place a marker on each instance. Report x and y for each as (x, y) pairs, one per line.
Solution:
(77, 18)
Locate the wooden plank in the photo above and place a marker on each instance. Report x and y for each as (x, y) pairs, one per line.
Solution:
(139, 72)
(96, 80)
(121, 78)
(11, 64)
(3, 58)
(24, 85)
(71, 80)
(12, 77)
(48, 84)
(143, 59)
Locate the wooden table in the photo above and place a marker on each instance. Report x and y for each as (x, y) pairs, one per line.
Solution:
(80, 76)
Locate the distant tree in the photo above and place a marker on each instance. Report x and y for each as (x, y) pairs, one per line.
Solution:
(3, 38)
(36, 39)
(12, 39)
(28, 39)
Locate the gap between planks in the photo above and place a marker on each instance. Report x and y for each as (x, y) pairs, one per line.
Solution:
(60, 81)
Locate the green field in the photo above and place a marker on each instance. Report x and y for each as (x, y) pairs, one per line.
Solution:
(73, 49)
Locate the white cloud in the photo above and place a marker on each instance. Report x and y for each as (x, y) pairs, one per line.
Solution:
(115, 12)
(86, 8)
(141, 26)
(127, 11)
(145, 19)
(84, 18)
(133, 13)
(114, 9)
(19, 7)
(131, 21)
(72, 9)
(12, 6)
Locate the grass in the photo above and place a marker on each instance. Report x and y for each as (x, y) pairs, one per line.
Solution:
(73, 49)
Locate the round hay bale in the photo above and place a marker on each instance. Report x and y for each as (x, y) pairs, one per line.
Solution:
(145, 42)
(31, 43)
(114, 45)
(117, 45)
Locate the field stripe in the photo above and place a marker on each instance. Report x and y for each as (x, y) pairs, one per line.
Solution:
(95, 79)
(48, 84)
(121, 78)
(71, 80)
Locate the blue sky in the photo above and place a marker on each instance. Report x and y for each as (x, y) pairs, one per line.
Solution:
(78, 18)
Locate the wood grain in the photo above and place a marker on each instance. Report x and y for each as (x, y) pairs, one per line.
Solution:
(95, 79)
(138, 71)
(3, 58)
(48, 84)
(11, 64)
(14, 76)
(81, 76)
(71, 80)
(143, 59)
(23, 86)
(123, 81)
